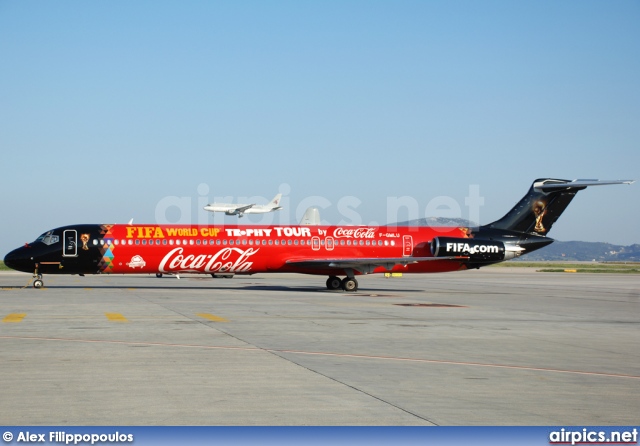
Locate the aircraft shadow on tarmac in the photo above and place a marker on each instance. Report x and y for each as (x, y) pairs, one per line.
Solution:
(382, 292)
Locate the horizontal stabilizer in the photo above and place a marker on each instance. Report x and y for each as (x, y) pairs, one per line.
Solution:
(577, 184)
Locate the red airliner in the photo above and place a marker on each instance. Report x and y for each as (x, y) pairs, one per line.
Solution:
(331, 251)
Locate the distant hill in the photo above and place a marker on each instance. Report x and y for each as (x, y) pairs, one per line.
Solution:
(439, 221)
(574, 251)
(586, 251)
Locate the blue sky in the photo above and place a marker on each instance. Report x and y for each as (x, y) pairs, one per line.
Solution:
(110, 108)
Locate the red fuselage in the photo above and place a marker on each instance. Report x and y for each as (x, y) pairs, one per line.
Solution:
(254, 249)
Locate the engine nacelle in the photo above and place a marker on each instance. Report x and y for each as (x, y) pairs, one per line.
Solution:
(480, 250)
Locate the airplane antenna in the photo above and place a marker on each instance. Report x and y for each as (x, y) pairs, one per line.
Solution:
(130, 222)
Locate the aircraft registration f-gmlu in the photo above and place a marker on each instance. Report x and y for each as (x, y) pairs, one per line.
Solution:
(321, 250)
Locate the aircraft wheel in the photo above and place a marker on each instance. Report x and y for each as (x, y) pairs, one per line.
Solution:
(38, 283)
(158, 275)
(333, 283)
(350, 284)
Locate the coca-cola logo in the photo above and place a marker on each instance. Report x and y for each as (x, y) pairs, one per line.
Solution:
(354, 233)
(228, 260)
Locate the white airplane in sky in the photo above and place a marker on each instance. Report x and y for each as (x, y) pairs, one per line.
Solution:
(241, 209)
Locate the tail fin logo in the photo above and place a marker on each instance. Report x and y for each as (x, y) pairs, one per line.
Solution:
(539, 210)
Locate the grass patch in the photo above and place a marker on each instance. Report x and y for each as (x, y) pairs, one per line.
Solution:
(593, 270)
(4, 267)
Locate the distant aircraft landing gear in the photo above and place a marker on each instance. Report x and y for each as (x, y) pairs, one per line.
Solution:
(349, 284)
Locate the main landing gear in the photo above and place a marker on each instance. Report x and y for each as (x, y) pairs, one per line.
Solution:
(347, 284)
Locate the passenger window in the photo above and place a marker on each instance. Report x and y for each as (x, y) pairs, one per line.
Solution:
(137, 242)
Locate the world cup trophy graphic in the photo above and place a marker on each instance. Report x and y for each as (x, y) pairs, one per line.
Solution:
(84, 238)
(539, 210)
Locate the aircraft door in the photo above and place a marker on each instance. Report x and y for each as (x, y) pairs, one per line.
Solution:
(315, 243)
(329, 243)
(407, 244)
(70, 247)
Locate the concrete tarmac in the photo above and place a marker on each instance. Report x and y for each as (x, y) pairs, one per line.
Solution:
(495, 346)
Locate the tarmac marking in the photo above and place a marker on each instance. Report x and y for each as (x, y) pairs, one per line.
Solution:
(340, 355)
(212, 317)
(116, 317)
(14, 317)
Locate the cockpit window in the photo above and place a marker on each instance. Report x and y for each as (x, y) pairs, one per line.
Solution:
(48, 238)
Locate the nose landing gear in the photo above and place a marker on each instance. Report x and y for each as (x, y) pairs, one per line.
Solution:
(37, 279)
(38, 283)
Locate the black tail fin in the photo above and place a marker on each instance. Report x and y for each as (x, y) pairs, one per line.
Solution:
(539, 209)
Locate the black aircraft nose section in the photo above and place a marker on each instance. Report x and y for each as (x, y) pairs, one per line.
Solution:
(20, 259)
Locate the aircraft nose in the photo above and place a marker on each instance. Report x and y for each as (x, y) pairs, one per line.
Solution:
(19, 260)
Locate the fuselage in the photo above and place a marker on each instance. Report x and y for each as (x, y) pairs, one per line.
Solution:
(321, 250)
(127, 249)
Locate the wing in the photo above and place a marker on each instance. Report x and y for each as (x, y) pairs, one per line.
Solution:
(244, 208)
(239, 210)
(365, 266)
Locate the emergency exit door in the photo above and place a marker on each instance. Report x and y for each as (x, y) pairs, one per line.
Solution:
(407, 245)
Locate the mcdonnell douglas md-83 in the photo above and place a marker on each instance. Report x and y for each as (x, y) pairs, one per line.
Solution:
(331, 251)
(241, 209)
